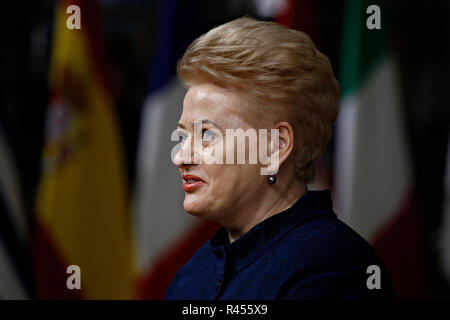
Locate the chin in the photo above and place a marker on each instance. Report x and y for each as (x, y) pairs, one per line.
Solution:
(194, 206)
(197, 206)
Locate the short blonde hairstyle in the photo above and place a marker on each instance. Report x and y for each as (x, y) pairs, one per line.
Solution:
(281, 71)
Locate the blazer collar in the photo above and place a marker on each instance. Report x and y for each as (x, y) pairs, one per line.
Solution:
(260, 238)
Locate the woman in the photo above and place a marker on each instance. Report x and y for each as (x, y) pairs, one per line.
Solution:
(278, 240)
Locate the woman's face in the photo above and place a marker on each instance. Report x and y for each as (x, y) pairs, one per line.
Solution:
(224, 188)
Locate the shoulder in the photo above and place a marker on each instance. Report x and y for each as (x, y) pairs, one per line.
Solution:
(325, 258)
(329, 240)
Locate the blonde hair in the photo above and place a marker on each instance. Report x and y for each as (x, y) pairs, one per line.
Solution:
(281, 71)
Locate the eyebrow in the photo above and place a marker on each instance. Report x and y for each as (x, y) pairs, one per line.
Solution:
(180, 125)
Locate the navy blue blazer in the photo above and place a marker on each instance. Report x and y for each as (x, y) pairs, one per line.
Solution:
(304, 252)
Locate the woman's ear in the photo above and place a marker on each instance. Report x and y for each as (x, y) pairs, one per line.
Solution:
(285, 140)
(280, 147)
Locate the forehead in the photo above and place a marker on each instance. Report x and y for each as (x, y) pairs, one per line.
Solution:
(209, 101)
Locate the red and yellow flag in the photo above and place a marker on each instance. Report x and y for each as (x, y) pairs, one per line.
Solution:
(82, 214)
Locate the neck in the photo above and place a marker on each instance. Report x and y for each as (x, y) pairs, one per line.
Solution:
(278, 198)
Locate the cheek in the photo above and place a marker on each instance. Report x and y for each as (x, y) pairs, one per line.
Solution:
(223, 181)
(230, 181)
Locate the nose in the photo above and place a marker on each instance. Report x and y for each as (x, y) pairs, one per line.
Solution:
(177, 156)
(178, 153)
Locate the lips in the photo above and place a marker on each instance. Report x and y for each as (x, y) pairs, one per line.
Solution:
(191, 182)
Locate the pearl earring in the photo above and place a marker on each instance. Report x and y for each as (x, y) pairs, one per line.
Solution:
(272, 179)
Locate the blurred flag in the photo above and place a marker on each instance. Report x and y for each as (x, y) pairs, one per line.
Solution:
(445, 230)
(294, 14)
(82, 216)
(165, 235)
(14, 236)
(373, 184)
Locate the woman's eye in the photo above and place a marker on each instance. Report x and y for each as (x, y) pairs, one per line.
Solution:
(208, 135)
